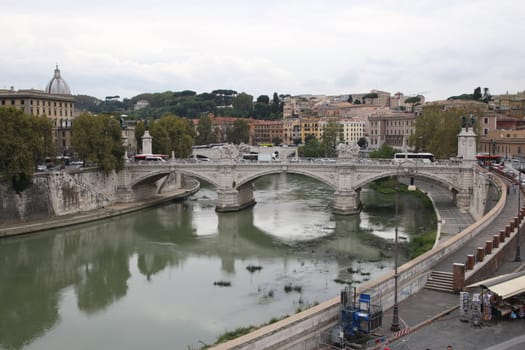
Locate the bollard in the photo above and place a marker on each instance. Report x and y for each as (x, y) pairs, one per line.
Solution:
(505, 233)
(495, 241)
(481, 253)
(502, 237)
(470, 262)
(507, 230)
(511, 226)
(458, 275)
(488, 247)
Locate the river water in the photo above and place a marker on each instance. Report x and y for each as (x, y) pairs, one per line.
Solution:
(152, 279)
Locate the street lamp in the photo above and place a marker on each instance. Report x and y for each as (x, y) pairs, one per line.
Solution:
(395, 318)
(518, 256)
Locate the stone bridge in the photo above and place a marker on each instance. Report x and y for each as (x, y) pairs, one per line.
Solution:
(233, 179)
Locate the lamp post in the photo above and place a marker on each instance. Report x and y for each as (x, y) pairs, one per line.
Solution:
(518, 255)
(395, 317)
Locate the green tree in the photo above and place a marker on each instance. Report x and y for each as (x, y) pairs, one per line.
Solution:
(277, 105)
(357, 102)
(437, 131)
(362, 143)
(263, 99)
(329, 139)
(98, 140)
(25, 140)
(477, 94)
(414, 100)
(350, 99)
(244, 104)
(205, 132)
(239, 133)
(262, 111)
(384, 152)
(312, 147)
(277, 140)
(140, 128)
(172, 133)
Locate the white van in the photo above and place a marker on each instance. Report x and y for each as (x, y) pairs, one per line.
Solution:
(155, 159)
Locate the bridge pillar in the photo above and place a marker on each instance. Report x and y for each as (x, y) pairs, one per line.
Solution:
(231, 199)
(347, 202)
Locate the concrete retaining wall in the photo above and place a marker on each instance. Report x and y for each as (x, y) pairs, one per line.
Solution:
(302, 331)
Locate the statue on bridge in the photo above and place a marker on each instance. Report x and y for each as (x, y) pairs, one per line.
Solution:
(350, 151)
(229, 151)
(468, 122)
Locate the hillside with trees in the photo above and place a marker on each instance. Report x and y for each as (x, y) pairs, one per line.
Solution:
(188, 104)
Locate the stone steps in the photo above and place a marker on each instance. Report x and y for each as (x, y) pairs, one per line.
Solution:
(440, 281)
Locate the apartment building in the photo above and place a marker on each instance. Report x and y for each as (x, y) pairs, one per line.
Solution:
(512, 105)
(55, 102)
(266, 131)
(391, 128)
(352, 130)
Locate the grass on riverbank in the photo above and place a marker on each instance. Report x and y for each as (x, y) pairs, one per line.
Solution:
(421, 244)
(238, 332)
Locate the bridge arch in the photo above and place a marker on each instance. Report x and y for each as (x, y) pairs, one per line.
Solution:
(448, 182)
(153, 176)
(252, 177)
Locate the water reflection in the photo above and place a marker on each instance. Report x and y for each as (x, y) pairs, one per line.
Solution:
(147, 278)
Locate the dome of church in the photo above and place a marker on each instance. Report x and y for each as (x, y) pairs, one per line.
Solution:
(57, 85)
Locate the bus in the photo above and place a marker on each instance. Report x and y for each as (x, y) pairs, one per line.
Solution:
(424, 157)
(485, 159)
(151, 157)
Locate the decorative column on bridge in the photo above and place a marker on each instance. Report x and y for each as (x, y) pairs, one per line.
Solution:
(467, 142)
(146, 143)
(466, 152)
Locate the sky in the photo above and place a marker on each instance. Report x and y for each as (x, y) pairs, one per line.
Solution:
(437, 48)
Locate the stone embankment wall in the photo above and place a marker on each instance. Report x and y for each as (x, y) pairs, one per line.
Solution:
(60, 193)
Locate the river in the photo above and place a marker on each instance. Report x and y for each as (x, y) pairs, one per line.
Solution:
(155, 279)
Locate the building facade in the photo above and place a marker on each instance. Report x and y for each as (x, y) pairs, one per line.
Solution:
(391, 128)
(55, 102)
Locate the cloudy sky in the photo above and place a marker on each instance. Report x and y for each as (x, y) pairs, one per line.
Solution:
(439, 48)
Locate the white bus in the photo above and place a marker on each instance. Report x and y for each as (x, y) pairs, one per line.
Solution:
(417, 157)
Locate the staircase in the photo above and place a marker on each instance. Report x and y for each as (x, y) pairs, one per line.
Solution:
(440, 281)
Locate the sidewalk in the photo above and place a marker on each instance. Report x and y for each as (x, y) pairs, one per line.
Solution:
(430, 319)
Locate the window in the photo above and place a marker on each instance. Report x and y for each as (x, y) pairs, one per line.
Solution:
(486, 120)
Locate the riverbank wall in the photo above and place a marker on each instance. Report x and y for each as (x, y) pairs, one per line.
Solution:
(56, 199)
(306, 330)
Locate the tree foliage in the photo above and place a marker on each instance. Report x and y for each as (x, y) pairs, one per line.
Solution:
(312, 147)
(384, 152)
(437, 131)
(330, 138)
(239, 133)
(172, 133)
(244, 104)
(413, 99)
(205, 132)
(98, 140)
(25, 141)
(362, 143)
(475, 96)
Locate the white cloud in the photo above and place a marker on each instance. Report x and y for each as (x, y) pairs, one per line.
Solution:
(129, 47)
